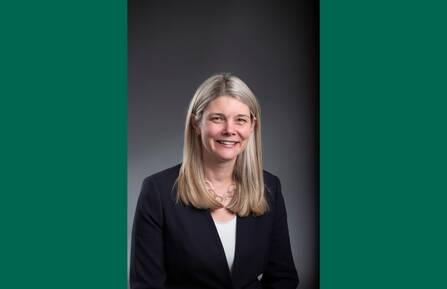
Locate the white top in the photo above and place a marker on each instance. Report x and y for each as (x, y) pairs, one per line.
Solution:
(227, 234)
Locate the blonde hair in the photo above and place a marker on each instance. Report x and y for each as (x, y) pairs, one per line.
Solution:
(248, 171)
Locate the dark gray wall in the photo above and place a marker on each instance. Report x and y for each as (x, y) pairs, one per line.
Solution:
(175, 45)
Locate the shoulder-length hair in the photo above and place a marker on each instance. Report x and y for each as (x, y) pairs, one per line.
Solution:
(249, 197)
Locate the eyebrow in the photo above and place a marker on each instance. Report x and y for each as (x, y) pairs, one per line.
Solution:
(221, 114)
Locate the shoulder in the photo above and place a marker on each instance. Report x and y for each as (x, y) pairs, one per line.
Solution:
(270, 179)
(160, 185)
(164, 177)
(272, 185)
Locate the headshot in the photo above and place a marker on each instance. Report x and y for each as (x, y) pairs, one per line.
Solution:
(222, 145)
(218, 219)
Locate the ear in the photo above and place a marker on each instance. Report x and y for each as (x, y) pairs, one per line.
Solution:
(253, 124)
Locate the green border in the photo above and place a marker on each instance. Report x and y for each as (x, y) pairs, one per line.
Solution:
(63, 151)
(63, 115)
(383, 144)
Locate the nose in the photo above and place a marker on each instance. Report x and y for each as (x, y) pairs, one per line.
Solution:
(228, 128)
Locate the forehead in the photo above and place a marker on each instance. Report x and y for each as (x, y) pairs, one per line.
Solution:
(227, 105)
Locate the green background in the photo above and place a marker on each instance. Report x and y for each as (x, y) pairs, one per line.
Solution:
(383, 144)
(63, 117)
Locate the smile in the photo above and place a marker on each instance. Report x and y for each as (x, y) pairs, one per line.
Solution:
(227, 142)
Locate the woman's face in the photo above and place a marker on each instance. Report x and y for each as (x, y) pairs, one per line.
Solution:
(224, 129)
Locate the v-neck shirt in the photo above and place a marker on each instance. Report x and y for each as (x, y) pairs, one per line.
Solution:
(227, 234)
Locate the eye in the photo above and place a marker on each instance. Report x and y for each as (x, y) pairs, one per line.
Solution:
(241, 120)
(217, 118)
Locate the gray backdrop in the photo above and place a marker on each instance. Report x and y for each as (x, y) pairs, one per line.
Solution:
(271, 45)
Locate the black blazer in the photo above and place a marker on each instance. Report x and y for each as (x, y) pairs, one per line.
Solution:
(177, 246)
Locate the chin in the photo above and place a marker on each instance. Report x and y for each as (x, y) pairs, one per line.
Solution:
(226, 157)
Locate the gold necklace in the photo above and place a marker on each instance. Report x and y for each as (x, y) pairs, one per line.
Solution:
(224, 197)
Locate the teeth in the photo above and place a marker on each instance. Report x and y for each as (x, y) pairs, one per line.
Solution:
(226, 142)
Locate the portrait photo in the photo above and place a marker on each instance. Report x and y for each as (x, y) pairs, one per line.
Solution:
(223, 144)
(205, 144)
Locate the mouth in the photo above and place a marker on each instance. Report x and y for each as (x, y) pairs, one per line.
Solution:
(227, 142)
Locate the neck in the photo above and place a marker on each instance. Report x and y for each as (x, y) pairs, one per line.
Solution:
(219, 173)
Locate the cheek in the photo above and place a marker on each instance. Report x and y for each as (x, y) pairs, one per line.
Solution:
(210, 131)
(245, 133)
(246, 137)
(208, 135)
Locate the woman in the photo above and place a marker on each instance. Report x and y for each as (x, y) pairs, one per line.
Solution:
(217, 220)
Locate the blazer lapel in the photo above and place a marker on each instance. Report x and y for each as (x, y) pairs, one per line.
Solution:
(217, 250)
(245, 240)
(211, 246)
